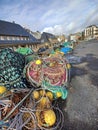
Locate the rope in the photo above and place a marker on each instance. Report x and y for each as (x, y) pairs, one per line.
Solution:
(7, 116)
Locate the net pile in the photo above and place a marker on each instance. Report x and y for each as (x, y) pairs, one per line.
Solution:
(28, 111)
(29, 93)
(50, 71)
(11, 69)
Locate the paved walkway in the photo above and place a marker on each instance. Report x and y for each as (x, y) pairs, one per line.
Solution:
(81, 110)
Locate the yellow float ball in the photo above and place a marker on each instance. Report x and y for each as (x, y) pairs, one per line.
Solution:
(49, 117)
(58, 94)
(2, 89)
(44, 101)
(42, 92)
(38, 62)
(68, 66)
(52, 64)
(49, 95)
(36, 95)
(62, 53)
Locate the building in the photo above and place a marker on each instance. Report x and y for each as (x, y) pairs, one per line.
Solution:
(76, 36)
(62, 38)
(13, 35)
(48, 40)
(91, 32)
(72, 37)
(13, 31)
(36, 34)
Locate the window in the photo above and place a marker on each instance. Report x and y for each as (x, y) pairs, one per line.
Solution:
(21, 38)
(13, 38)
(9, 38)
(2, 38)
(24, 38)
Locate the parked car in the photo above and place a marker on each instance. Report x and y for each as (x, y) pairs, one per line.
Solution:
(41, 50)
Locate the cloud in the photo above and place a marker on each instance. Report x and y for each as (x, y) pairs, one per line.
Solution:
(54, 16)
(61, 29)
(57, 29)
(92, 17)
(79, 14)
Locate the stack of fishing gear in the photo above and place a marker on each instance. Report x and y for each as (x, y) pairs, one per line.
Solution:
(29, 91)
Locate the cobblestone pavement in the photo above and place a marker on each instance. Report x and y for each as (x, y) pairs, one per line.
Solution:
(81, 109)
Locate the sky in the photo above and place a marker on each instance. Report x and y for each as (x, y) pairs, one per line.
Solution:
(53, 16)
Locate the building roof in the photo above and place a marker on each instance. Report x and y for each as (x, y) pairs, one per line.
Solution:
(13, 29)
(36, 34)
(91, 26)
(45, 36)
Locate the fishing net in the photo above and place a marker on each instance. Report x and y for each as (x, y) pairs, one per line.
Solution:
(31, 106)
(47, 72)
(29, 113)
(11, 69)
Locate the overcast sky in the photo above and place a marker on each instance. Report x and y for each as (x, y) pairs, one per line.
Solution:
(54, 16)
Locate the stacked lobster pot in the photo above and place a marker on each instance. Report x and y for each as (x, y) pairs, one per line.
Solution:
(28, 100)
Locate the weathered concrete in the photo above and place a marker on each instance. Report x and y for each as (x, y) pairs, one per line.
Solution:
(81, 110)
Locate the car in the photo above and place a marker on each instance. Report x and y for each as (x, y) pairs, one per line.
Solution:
(41, 50)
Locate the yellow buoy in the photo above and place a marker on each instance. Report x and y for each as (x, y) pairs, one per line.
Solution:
(49, 95)
(62, 53)
(44, 101)
(36, 95)
(58, 94)
(68, 66)
(49, 117)
(51, 64)
(38, 62)
(42, 92)
(2, 89)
